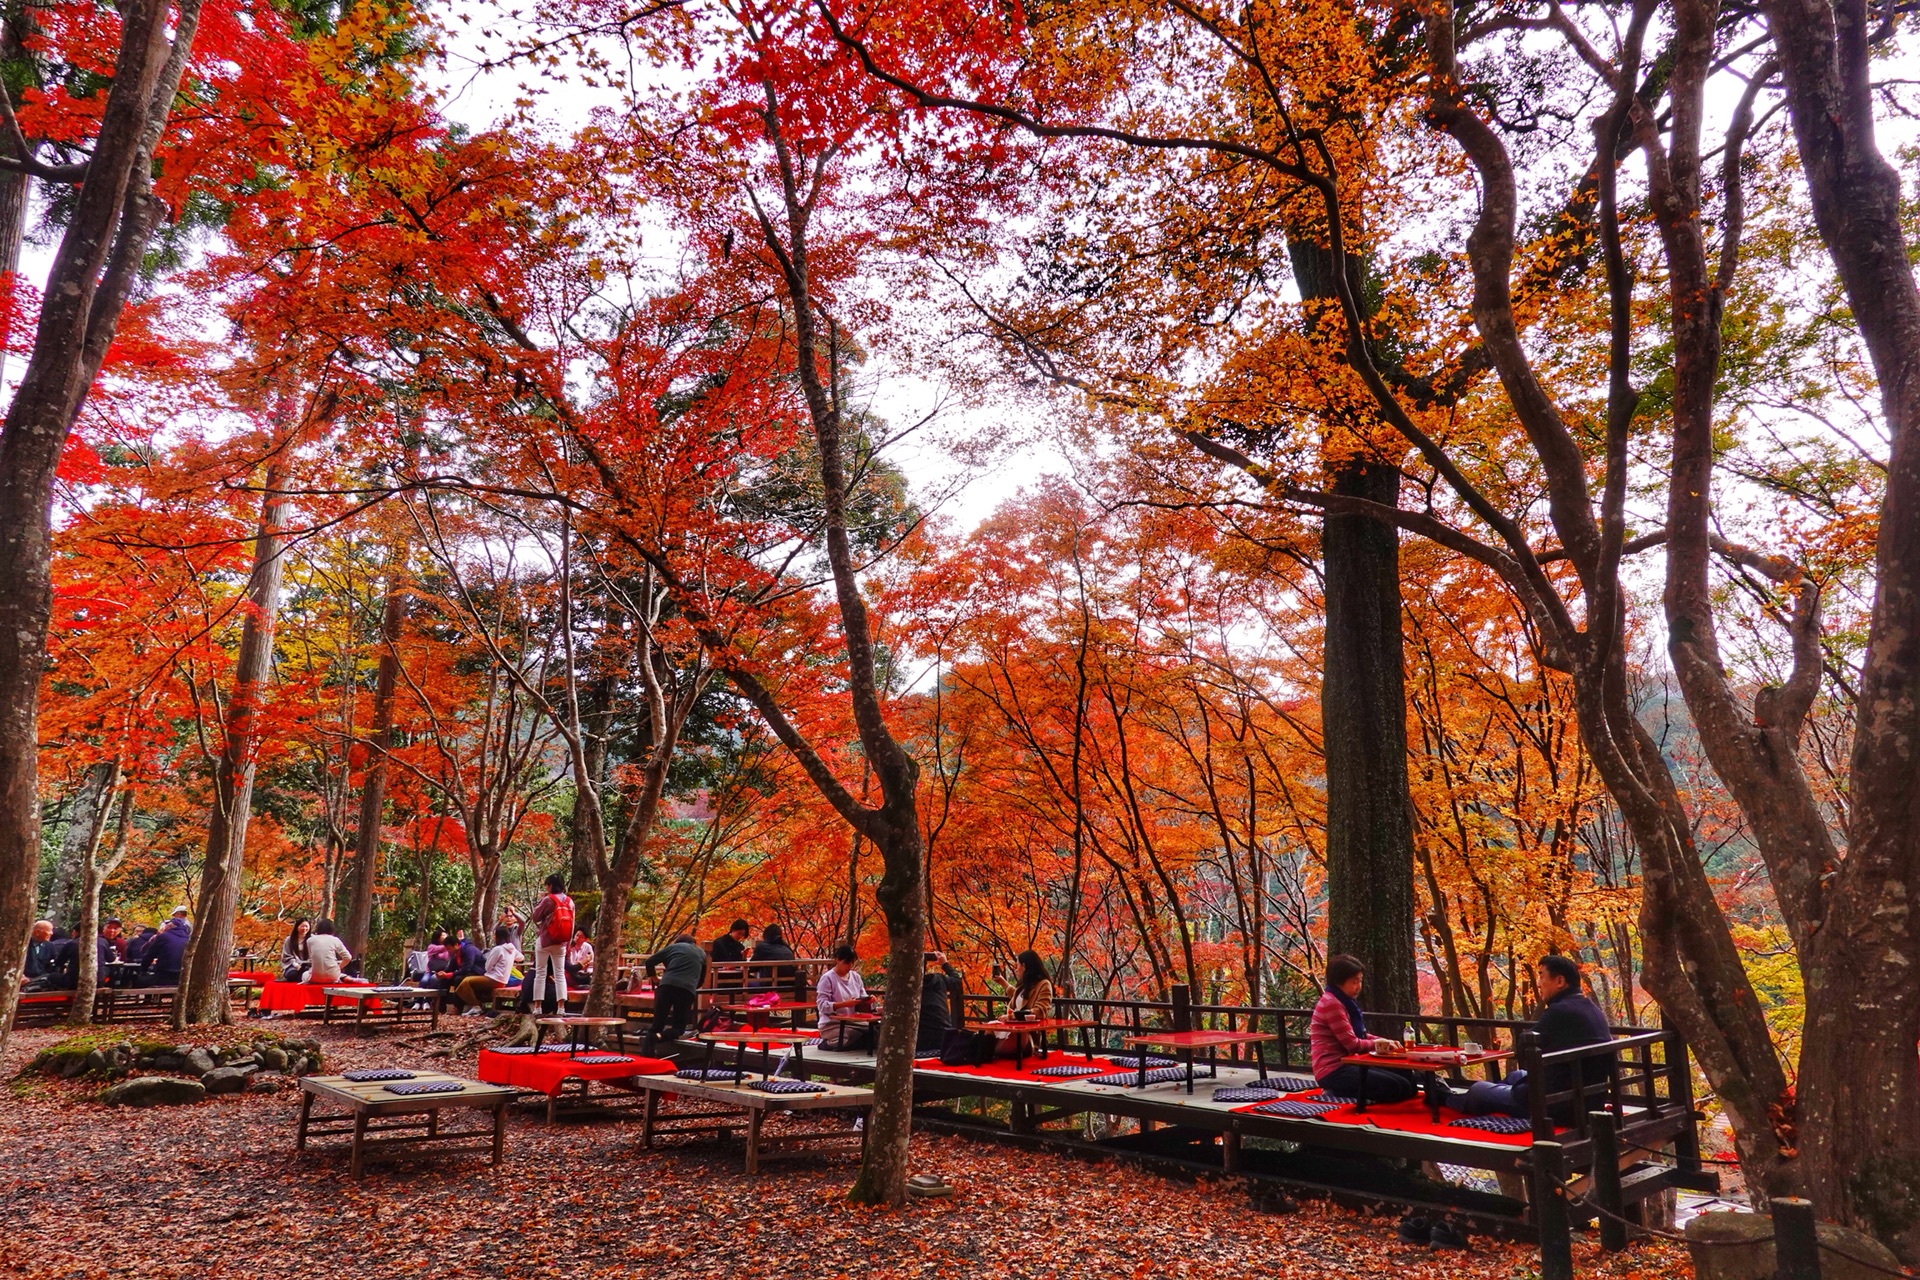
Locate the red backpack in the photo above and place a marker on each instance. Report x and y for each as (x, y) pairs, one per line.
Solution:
(558, 929)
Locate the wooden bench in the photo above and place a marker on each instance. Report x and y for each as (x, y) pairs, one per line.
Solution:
(378, 1118)
(135, 1004)
(740, 1106)
(393, 1005)
(42, 1008)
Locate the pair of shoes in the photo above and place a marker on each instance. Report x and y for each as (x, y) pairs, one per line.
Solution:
(1414, 1229)
(1448, 1234)
(1441, 1233)
(470, 1013)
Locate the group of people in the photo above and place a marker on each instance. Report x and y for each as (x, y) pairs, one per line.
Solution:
(149, 957)
(1568, 1020)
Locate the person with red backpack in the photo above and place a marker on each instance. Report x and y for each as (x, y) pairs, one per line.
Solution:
(553, 922)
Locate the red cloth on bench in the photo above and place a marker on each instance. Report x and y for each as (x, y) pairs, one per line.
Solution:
(547, 1072)
(1408, 1117)
(1002, 1068)
(291, 997)
(261, 976)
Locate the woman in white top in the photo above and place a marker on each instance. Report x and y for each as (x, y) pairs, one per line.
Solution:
(327, 956)
(476, 991)
(841, 991)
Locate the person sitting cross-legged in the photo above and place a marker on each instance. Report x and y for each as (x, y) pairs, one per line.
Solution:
(1339, 1030)
(476, 990)
(1569, 1021)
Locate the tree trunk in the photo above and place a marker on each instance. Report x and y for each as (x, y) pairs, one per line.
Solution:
(203, 981)
(365, 875)
(1363, 710)
(99, 257)
(91, 805)
(95, 873)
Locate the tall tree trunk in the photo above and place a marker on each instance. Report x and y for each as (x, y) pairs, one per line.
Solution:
(99, 257)
(91, 805)
(95, 873)
(203, 980)
(587, 832)
(365, 874)
(1363, 712)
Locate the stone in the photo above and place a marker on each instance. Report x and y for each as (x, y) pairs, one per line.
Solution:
(227, 1079)
(99, 1062)
(199, 1061)
(273, 1058)
(153, 1091)
(266, 1082)
(72, 1064)
(1739, 1246)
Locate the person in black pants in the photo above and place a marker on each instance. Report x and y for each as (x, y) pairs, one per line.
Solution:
(684, 966)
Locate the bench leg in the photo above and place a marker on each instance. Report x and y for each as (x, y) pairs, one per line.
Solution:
(306, 1110)
(1230, 1152)
(754, 1118)
(359, 1136)
(499, 1132)
(647, 1114)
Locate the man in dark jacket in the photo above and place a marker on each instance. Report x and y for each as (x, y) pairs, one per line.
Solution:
(165, 954)
(65, 959)
(684, 965)
(1569, 1021)
(39, 963)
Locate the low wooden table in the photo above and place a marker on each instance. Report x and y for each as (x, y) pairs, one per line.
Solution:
(1366, 1061)
(1040, 1027)
(116, 1004)
(764, 1039)
(758, 1015)
(402, 1004)
(1185, 1042)
(735, 1106)
(369, 1101)
(578, 1028)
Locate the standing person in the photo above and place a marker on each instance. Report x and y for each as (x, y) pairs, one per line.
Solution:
(773, 946)
(160, 964)
(1339, 1030)
(1032, 998)
(940, 1003)
(327, 956)
(1569, 1021)
(476, 990)
(580, 959)
(293, 950)
(841, 991)
(683, 963)
(553, 925)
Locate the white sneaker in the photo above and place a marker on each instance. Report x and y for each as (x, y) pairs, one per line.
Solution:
(470, 1013)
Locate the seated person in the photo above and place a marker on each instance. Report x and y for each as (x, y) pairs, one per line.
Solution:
(293, 950)
(580, 959)
(841, 991)
(773, 946)
(1032, 997)
(160, 963)
(39, 965)
(64, 957)
(437, 950)
(475, 992)
(939, 1003)
(327, 956)
(459, 959)
(1569, 1021)
(137, 944)
(1339, 1030)
(730, 948)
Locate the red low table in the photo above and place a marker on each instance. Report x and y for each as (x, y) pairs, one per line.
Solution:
(1404, 1062)
(1185, 1042)
(549, 1073)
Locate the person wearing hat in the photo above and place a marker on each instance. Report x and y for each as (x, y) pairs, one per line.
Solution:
(160, 965)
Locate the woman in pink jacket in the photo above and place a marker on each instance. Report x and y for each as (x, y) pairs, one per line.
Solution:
(1339, 1029)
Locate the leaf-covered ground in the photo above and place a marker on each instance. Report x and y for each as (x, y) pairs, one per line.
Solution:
(214, 1190)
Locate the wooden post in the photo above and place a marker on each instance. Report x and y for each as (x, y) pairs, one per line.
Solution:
(1606, 1181)
(1796, 1241)
(1550, 1212)
(1686, 1145)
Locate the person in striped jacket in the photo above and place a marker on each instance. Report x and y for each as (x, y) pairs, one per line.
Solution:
(1339, 1030)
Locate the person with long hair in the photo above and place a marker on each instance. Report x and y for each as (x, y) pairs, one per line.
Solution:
(1339, 1029)
(1032, 998)
(293, 951)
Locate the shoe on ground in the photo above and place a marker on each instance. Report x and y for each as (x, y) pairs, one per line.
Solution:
(1414, 1229)
(1448, 1234)
(470, 1013)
